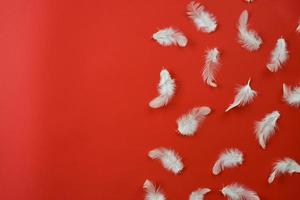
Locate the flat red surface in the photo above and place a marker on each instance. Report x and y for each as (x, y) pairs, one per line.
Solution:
(76, 77)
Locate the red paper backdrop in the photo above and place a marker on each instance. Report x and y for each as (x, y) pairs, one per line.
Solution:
(76, 77)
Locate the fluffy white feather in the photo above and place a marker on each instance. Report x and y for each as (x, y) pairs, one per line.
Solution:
(278, 56)
(169, 159)
(210, 67)
(244, 96)
(284, 166)
(291, 96)
(166, 90)
(189, 123)
(249, 39)
(203, 20)
(298, 28)
(265, 128)
(152, 193)
(199, 194)
(238, 192)
(228, 159)
(170, 36)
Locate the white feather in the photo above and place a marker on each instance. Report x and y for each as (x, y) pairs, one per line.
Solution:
(298, 28)
(278, 56)
(152, 193)
(265, 128)
(284, 166)
(199, 194)
(210, 67)
(228, 159)
(203, 20)
(169, 159)
(170, 36)
(244, 96)
(249, 39)
(291, 96)
(166, 89)
(189, 123)
(238, 192)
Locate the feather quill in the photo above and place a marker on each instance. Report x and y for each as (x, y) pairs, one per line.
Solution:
(210, 67)
(170, 36)
(203, 20)
(278, 56)
(168, 158)
(152, 193)
(228, 159)
(284, 166)
(189, 123)
(265, 128)
(291, 96)
(166, 90)
(249, 39)
(238, 192)
(244, 96)
(199, 194)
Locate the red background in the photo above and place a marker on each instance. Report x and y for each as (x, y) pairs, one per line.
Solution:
(76, 77)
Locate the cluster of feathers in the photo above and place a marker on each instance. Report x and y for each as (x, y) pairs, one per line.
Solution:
(189, 123)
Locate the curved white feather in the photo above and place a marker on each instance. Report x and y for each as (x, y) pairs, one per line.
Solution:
(284, 166)
(244, 96)
(168, 158)
(265, 128)
(249, 39)
(189, 123)
(238, 192)
(291, 96)
(228, 159)
(203, 20)
(166, 89)
(152, 193)
(170, 36)
(278, 56)
(199, 194)
(210, 67)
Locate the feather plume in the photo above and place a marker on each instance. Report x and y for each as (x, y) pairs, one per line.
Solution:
(166, 90)
(249, 39)
(278, 56)
(210, 67)
(168, 158)
(238, 192)
(298, 28)
(284, 166)
(203, 20)
(199, 194)
(291, 95)
(244, 96)
(170, 36)
(152, 193)
(265, 128)
(189, 123)
(228, 159)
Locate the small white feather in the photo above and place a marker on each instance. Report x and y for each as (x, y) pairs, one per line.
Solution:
(210, 67)
(238, 192)
(166, 90)
(199, 194)
(228, 159)
(189, 123)
(298, 28)
(152, 193)
(265, 128)
(169, 159)
(284, 166)
(244, 96)
(291, 95)
(170, 36)
(249, 39)
(278, 56)
(203, 20)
